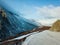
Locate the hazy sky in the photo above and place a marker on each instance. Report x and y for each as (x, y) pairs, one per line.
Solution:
(44, 11)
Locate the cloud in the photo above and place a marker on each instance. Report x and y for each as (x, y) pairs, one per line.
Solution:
(45, 15)
(50, 14)
(52, 11)
(47, 22)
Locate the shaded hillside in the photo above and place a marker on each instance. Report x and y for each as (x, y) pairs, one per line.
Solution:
(12, 24)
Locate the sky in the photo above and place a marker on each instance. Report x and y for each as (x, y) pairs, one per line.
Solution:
(42, 11)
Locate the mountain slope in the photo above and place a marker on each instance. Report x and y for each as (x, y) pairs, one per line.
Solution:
(13, 24)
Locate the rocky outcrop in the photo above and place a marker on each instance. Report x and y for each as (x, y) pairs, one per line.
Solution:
(56, 26)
